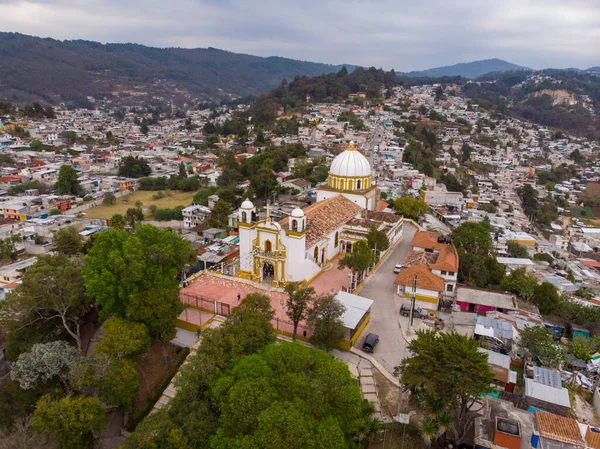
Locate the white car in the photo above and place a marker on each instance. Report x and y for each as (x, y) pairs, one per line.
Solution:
(398, 267)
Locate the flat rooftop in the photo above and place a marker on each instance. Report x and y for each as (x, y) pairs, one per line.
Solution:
(485, 298)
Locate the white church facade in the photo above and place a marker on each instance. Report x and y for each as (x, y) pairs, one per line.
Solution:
(300, 246)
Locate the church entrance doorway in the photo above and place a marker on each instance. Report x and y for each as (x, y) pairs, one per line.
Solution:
(268, 272)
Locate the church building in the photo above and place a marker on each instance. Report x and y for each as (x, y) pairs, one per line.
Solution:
(300, 246)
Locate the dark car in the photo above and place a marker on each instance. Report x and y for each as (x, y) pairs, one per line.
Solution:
(419, 312)
(370, 342)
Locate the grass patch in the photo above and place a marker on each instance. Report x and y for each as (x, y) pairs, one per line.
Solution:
(148, 198)
(577, 212)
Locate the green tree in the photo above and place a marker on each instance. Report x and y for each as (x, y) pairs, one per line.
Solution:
(134, 167)
(410, 207)
(117, 221)
(182, 171)
(581, 349)
(219, 215)
(359, 260)
(67, 182)
(72, 420)
(123, 339)
(158, 309)
(115, 380)
(121, 264)
(447, 371)
(325, 318)
(378, 241)
(68, 241)
(298, 303)
(537, 341)
(546, 297)
(52, 291)
(517, 250)
(45, 362)
(109, 199)
(520, 283)
(473, 238)
(134, 215)
(8, 246)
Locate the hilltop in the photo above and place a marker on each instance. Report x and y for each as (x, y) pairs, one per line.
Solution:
(53, 71)
(469, 70)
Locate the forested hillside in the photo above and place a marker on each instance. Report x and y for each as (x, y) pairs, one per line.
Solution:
(565, 99)
(49, 70)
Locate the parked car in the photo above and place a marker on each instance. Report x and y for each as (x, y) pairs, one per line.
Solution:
(398, 267)
(419, 312)
(370, 342)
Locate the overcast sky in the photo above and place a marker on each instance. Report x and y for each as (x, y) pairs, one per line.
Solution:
(400, 34)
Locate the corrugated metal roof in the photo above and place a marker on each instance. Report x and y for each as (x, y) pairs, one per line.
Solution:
(545, 376)
(502, 329)
(558, 396)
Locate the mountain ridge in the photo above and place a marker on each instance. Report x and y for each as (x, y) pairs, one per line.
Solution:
(471, 70)
(69, 71)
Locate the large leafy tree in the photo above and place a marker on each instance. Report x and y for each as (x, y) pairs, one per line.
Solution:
(546, 297)
(134, 167)
(72, 420)
(520, 283)
(67, 182)
(121, 264)
(117, 221)
(52, 291)
(325, 317)
(538, 342)
(359, 260)
(68, 241)
(45, 362)
(473, 238)
(157, 308)
(378, 241)
(115, 380)
(515, 249)
(298, 303)
(446, 375)
(123, 339)
(219, 214)
(410, 207)
(320, 407)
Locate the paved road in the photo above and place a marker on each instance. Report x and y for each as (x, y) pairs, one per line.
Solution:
(386, 307)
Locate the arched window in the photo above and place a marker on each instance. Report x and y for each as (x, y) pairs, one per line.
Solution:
(336, 240)
(243, 217)
(358, 185)
(268, 246)
(316, 254)
(295, 225)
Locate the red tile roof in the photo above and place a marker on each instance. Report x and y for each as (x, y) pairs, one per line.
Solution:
(558, 428)
(325, 216)
(425, 278)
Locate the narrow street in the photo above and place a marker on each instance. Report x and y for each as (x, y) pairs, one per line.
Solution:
(386, 307)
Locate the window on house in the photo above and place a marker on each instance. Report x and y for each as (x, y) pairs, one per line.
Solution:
(449, 287)
(295, 225)
(444, 273)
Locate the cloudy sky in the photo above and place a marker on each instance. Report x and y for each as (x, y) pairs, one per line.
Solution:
(400, 34)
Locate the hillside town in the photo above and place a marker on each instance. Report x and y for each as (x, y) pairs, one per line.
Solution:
(424, 214)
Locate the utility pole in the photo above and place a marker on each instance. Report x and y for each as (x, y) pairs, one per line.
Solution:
(413, 295)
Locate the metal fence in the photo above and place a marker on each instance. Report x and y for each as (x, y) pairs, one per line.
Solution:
(203, 303)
